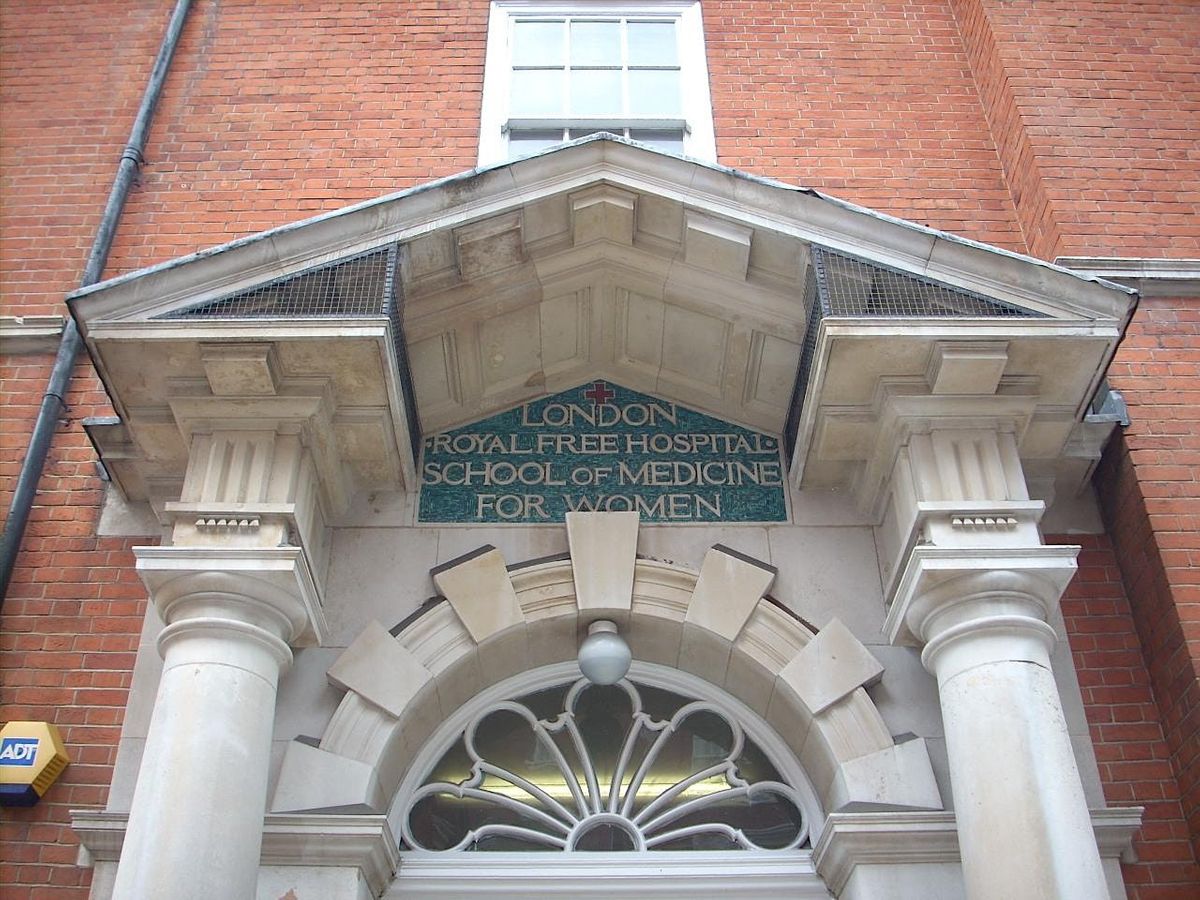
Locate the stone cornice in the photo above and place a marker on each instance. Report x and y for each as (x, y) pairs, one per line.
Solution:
(1150, 277)
(364, 842)
(715, 190)
(847, 841)
(29, 334)
(897, 838)
(308, 839)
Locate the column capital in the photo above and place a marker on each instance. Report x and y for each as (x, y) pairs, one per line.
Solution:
(943, 588)
(272, 588)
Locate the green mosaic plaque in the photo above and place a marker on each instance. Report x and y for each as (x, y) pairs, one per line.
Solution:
(601, 447)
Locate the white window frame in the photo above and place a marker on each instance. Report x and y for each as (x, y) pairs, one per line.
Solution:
(699, 140)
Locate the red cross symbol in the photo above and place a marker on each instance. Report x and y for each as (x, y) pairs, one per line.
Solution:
(598, 393)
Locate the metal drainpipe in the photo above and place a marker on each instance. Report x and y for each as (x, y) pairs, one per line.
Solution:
(53, 403)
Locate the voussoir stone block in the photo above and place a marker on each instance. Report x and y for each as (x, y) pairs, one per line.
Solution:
(380, 669)
(899, 777)
(478, 587)
(729, 586)
(603, 553)
(312, 778)
(830, 666)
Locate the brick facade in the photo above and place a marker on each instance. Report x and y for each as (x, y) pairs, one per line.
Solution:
(1151, 495)
(1063, 128)
(1127, 726)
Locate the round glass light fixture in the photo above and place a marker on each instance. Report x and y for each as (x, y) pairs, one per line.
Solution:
(604, 656)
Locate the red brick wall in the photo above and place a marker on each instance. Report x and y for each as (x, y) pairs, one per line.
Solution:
(1003, 121)
(1126, 724)
(68, 634)
(70, 83)
(1150, 489)
(1095, 107)
(871, 102)
(281, 109)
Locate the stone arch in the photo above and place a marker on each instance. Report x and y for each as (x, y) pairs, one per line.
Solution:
(495, 621)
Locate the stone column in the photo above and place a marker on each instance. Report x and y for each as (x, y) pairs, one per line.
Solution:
(1023, 823)
(195, 829)
(974, 586)
(236, 589)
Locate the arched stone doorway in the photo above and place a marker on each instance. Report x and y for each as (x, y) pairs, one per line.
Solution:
(714, 632)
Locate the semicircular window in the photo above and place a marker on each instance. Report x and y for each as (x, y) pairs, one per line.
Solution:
(585, 767)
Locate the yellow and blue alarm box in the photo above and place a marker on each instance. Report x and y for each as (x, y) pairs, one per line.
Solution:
(32, 756)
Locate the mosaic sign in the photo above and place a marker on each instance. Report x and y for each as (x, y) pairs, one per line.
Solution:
(602, 448)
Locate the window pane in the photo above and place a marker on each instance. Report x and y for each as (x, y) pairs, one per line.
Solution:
(652, 44)
(527, 143)
(654, 93)
(595, 93)
(538, 43)
(669, 140)
(595, 44)
(537, 92)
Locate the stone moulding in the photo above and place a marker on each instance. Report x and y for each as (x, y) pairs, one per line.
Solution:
(30, 334)
(507, 876)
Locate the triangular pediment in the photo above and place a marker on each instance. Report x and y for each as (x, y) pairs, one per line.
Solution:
(700, 285)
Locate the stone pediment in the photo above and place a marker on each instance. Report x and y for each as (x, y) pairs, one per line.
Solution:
(762, 304)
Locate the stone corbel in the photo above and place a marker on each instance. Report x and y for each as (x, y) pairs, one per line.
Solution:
(902, 415)
(954, 478)
(309, 415)
(263, 470)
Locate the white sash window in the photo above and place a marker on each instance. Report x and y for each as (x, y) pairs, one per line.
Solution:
(555, 73)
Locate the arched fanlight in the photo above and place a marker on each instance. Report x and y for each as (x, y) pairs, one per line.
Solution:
(583, 766)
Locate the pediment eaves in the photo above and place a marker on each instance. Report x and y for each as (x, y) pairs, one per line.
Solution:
(478, 195)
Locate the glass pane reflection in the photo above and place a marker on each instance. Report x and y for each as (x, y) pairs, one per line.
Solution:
(654, 92)
(537, 92)
(670, 140)
(652, 44)
(595, 43)
(538, 43)
(595, 92)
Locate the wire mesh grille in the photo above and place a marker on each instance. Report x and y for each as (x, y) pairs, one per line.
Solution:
(393, 308)
(345, 288)
(853, 287)
(812, 302)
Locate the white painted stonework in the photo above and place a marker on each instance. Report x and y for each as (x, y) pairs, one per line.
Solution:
(845, 750)
(310, 642)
